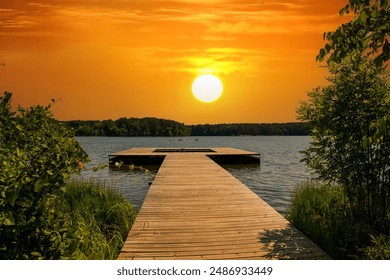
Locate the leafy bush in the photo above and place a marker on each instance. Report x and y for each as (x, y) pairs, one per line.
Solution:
(37, 155)
(42, 216)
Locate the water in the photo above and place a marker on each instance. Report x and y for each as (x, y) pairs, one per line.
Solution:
(280, 171)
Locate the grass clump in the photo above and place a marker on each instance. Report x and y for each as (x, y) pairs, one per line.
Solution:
(91, 222)
(324, 215)
(380, 249)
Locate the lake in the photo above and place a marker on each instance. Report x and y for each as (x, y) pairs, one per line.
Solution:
(274, 180)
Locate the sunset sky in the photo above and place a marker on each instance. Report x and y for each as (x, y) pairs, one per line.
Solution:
(138, 58)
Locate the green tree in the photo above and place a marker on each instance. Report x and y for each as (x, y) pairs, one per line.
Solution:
(350, 118)
(342, 150)
(37, 155)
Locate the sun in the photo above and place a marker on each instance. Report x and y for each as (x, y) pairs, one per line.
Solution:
(207, 88)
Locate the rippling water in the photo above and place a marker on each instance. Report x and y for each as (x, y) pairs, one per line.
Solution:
(280, 171)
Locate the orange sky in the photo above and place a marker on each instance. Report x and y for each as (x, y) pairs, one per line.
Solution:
(138, 58)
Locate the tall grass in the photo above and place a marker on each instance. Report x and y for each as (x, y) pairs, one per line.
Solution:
(323, 214)
(93, 222)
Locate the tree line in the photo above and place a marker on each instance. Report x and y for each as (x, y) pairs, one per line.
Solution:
(129, 127)
(234, 129)
(163, 127)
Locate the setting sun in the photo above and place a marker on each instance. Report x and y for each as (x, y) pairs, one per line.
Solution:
(207, 88)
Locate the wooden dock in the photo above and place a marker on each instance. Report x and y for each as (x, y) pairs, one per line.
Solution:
(195, 209)
(151, 156)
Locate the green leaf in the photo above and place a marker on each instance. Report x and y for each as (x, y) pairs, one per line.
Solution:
(9, 220)
(327, 48)
(344, 10)
(12, 196)
(66, 176)
(38, 185)
(379, 61)
(321, 55)
(363, 17)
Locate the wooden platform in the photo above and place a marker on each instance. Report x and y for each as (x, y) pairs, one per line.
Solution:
(195, 209)
(150, 156)
(222, 151)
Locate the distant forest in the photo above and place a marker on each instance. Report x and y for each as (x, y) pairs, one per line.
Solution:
(130, 127)
(233, 129)
(162, 127)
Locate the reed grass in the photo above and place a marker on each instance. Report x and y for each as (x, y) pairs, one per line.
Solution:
(323, 214)
(96, 220)
(380, 249)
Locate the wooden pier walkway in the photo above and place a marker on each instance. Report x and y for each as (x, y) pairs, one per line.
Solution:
(195, 209)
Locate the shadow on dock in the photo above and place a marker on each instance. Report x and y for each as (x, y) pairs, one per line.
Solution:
(289, 244)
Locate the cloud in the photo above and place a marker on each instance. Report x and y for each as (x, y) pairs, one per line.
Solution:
(181, 35)
(217, 17)
(240, 27)
(199, 61)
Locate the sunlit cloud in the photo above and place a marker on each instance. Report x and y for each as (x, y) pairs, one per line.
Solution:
(199, 61)
(217, 18)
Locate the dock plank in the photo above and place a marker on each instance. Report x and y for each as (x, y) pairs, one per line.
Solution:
(195, 209)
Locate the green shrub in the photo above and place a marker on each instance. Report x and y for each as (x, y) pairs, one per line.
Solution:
(37, 155)
(346, 147)
(42, 217)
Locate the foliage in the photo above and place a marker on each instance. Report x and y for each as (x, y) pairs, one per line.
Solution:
(94, 222)
(233, 129)
(366, 34)
(160, 127)
(343, 150)
(319, 212)
(351, 117)
(323, 214)
(350, 121)
(129, 127)
(380, 250)
(37, 154)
